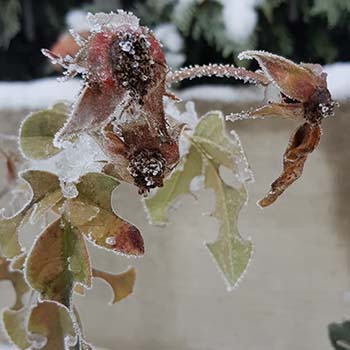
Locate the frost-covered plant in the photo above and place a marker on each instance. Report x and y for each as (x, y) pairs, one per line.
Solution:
(125, 126)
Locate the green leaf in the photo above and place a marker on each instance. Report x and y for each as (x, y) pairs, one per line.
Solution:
(339, 335)
(231, 252)
(92, 214)
(211, 148)
(15, 326)
(122, 284)
(50, 325)
(39, 129)
(46, 192)
(9, 244)
(58, 259)
(17, 280)
(178, 183)
(14, 318)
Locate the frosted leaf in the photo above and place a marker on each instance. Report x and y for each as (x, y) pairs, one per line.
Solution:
(122, 284)
(211, 149)
(58, 258)
(189, 118)
(197, 183)
(112, 20)
(37, 340)
(105, 227)
(51, 322)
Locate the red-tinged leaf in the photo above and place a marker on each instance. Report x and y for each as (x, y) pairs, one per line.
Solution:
(92, 214)
(96, 103)
(58, 259)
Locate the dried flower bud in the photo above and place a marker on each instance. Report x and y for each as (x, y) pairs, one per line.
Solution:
(121, 104)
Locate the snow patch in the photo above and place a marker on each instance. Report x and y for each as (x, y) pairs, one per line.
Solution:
(240, 18)
(76, 20)
(222, 93)
(338, 80)
(43, 93)
(37, 94)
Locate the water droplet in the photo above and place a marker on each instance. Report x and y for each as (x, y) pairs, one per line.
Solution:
(111, 240)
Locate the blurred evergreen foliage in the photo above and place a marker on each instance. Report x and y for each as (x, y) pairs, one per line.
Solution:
(304, 30)
(26, 26)
(339, 335)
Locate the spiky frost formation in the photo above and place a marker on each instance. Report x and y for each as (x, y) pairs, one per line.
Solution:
(217, 70)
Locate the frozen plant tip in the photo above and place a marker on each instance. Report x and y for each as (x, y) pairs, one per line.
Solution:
(121, 103)
(303, 97)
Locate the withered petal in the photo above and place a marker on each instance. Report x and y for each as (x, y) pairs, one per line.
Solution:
(292, 79)
(95, 105)
(302, 142)
(293, 111)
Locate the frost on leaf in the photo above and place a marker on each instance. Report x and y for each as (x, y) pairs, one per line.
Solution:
(38, 130)
(178, 183)
(45, 190)
(14, 318)
(51, 328)
(210, 149)
(58, 260)
(15, 326)
(303, 96)
(17, 281)
(122, 284)
(92, 214)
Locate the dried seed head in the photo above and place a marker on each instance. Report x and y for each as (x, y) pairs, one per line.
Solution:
(147, 168)
(132, 63)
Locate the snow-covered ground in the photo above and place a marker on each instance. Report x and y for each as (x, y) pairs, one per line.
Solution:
(44, 92)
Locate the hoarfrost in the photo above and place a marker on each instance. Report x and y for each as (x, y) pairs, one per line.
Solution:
(240, 18)
(189, 117)
(111, 20)
(75, 160)
(37, 340)
(69, 190)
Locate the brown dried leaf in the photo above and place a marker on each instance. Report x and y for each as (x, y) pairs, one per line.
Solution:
(122, 284)
(304, 140)
(292, 79)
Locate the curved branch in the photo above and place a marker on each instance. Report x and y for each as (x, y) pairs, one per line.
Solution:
(217, 70)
